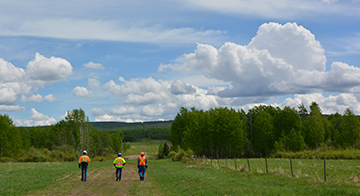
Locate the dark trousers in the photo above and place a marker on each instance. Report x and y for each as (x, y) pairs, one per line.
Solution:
(142, 169)
(118, 172)
(83, 173)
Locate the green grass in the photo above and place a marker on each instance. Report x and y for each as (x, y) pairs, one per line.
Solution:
(21, 178)
(151, 147)
(176, 178)
(337, 171)
(197, 177)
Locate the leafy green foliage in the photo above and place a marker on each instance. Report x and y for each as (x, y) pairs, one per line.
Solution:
(166, 149)
(224, 132)
(39, 144)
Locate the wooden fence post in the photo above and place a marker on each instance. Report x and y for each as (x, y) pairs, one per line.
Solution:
(235, 163)
(324, 171)
(248, 163)
(266, 165)
(291, 168)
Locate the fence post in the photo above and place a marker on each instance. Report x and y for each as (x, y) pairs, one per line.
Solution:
(266, 165)
(248, 163)
(291, 168)
(324, 171)
(235, 163)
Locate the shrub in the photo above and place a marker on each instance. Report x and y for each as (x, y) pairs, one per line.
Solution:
(5, 159)
(189, 153)
(179, 155)
(171, 154)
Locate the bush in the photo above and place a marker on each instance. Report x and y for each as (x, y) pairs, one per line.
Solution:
(189, 153)
(179, 155)
(6, 159)
(171, 154)
(160, 154)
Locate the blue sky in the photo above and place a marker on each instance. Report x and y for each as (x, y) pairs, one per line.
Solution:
(142, 60)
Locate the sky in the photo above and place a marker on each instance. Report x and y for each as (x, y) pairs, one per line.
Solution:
(136, 61)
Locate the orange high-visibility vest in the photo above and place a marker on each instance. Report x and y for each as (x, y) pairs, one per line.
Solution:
(84, 159)
(142, 160)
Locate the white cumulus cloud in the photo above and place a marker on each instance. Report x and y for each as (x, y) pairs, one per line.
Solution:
(38, 98)
(11, 108)
(121, 110)
(82, 92)
(94, 65)
(279, 60)
(179, 87)
(48, 70)
(36, 119)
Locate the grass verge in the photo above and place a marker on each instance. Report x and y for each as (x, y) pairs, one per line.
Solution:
(175, 178)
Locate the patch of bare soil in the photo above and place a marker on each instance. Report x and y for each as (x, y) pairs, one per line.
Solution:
(354, 178)
(102, 182)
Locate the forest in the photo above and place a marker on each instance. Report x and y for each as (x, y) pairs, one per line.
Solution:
(218, 132)
(263, 130)
(63, 141)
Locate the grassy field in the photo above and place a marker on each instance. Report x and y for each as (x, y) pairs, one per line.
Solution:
(197, 177)
(19, 178)
(151, 147)
(337, 171)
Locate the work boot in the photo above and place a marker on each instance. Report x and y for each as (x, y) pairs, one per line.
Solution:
(117, 178)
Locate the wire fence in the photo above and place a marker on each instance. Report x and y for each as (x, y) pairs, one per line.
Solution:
(318, 169)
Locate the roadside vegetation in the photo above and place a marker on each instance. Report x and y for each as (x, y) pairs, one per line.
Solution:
(266, 131)
(195, 177)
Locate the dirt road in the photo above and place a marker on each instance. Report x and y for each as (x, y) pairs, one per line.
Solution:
(101, 181)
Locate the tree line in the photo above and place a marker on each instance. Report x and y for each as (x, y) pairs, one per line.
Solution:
(151, 133)
(263, 130)
(74, 134)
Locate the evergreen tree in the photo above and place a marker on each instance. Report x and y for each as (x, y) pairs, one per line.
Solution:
(166, 149)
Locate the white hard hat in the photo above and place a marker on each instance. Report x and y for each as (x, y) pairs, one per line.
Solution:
(84, 152)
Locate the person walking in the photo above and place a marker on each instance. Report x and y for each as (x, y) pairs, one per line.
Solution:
(84, 160)
(142, 166)
(119, 163)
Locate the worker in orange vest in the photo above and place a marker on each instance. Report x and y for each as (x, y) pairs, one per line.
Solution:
(84, 160)
(119, 163)
(142, 165)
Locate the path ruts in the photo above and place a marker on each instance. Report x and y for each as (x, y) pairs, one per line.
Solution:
(100, 181)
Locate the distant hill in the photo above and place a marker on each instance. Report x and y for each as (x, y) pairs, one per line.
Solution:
(107, 126)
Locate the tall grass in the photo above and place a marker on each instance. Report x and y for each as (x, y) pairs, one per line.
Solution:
(176, 178)
(320, 154)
